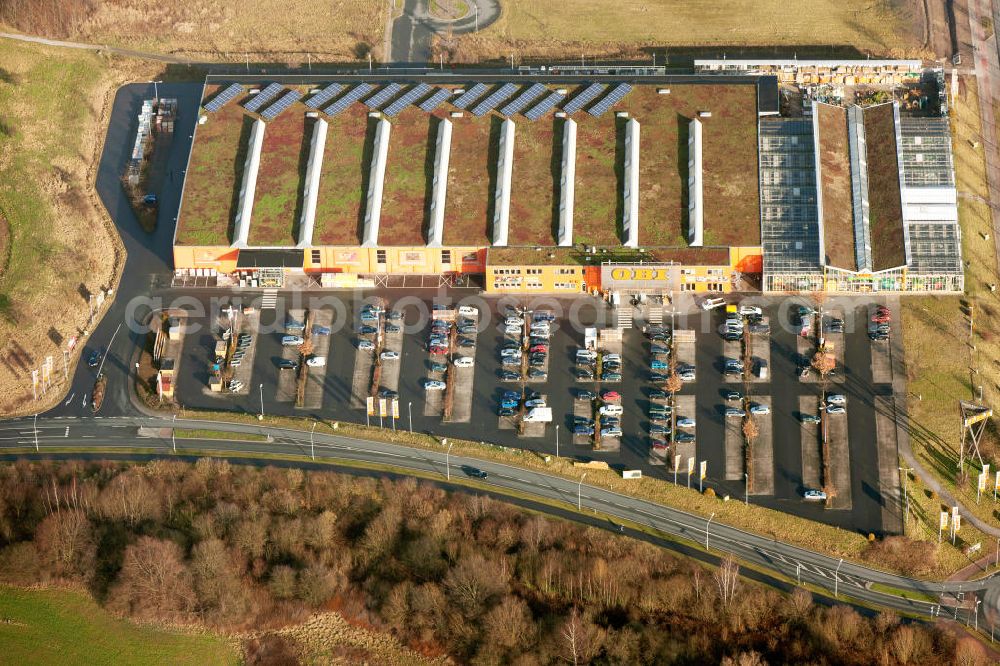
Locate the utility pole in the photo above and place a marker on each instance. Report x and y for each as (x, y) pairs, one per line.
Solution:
(746, 489)
(708, 524)
(905, 471)
(173, 432)
(798, 572)
(557, 440)
(447, 462)
(36, 432)
(312, 441)
(579, 493)
(409, 410)
(836, 578)
(261, 417)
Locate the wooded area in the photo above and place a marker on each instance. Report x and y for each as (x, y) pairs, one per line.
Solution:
(50, 18)
(232, 548)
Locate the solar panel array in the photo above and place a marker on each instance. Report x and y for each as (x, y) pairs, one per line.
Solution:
(470, 96)
(285, 101)
(494, 98)
(616, 95)
(383, 96)
(533, 92)
(352, 96)
(263, 97)
(408, 98)
(586, 95)
(434, 101)
(224, 97)
(324, 96)
(543, 107)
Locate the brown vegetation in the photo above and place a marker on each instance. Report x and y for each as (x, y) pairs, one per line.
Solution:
(482, 581)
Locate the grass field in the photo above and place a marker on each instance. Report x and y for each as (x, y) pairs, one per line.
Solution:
(284, 157)
(408, 173)
(271, 30)
(624, 26)
(340, 203)
(942, 366)
(53, 109)
(473, 151)
(182, 433)
(67, 627)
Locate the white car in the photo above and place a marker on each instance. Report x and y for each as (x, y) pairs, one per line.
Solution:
(814, 495)
(465, 362)
(612, 357)
(836, 409)
(611, 432)
(711, 303)
(292, 340)
(836, 399)
(366, 344)
(510, 352)
(390, 356)
(748, 310)
(468, 311)
(433, 385)
(687, 376)
(759, 409)
(585, 355)
(536, 402)
(512, 330)
(316, 361)
(611, 410)
(513, 321)
(685, 422)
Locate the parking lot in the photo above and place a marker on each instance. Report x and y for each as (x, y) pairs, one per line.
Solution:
(786, 450)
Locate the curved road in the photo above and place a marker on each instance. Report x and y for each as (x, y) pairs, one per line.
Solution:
(842, 579)
(413, 31)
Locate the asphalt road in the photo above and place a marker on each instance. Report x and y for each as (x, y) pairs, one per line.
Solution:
(414, 30)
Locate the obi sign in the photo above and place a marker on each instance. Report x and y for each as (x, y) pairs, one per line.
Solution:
(636, 278)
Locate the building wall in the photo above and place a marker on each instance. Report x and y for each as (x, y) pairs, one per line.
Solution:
(222, 258)
(395, 260)
(534, 279)
(747, 259)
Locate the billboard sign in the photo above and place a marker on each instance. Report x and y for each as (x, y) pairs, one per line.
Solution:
(637, 277)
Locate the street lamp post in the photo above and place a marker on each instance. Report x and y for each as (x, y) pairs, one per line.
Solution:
(746, 488)
(557, 440)
(707, 525)
(447, 462)
(261, 417)
(798, 572)
(312, 441)
(905, 471)
(36, 432)
(173, 433)
(476, 6)
(836, 578)
(579, 493)
(409, 411)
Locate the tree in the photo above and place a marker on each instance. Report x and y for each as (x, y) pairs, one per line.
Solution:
(750, 429)
(474, 581)
(509, 624)
(282, 582)
(154, 582)
(823, 362)
(726, 578)
(578, 638)
(66, 545)
(673, 383)
(217, 581)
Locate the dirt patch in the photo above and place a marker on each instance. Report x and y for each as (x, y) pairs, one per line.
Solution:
(4, 243)
(449, 10)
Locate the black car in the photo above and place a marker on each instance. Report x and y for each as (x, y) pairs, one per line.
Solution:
(285, 364)
(466, 342)
(683, 437)
(509, 375)
(535, 373)
(394, 315)
(367, 330)
(388, 393)
(95, 359)
(536, 362)
(468, 330)
(586, 395)
(657, 394)
(657, 377)
(660, 337)
(505, 411)
(734, 395)
(582, 420)
(731, 336)
(475, 472)
(584, 373)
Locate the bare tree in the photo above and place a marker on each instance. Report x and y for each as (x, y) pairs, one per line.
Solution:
(509, 624)
(154, 582)
(823, 362)
(726, 578)
(750, 429)
(673, 383)
(577, 636)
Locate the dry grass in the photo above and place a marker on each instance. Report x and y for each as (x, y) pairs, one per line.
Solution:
(284, 157)
(54, 106)
(886, 210)
(622, 26)
(271, 30)
(942, 367)
(835, 164)
(327, 638)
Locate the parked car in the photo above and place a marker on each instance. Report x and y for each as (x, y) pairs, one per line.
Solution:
(687, 376)
(466, 342)
(394, 315)
(612, 357)
(814, 495)
(286, 364)
(505, 411)
(439, 367)
(468, 330)
(389, 356)
(536, 362)
(95, 359)
(367, 330)
(658, 377)
(734, 364)
(685, 422)
(732, 336)
(511, 351)
(764, 329)
(712, 303)
(509, 403)
(733, 412)
(759, 409)
(611, 377)
(465, 362)
(582, 420)
(291, 340)
(438, 350)
(512, 330)
(656, 429)
(835, 409)
(388, 393)
(367, 345)
(659, 445)
(583, 430)
(683, 437)
(659, 365)
(511, 361)
(585, 395)
(836, 399)
(537, 402)
(610, 410)
(391, 328)
(610, 395)
(747, 310)
(584, 373)
(611, 432)
(316, 361)
(535, 373)
(658, 349)
(809, 418)
(509, 376)
(657, 394)
(539, 348)
(513, 321)
(468, 311)
(434, 385)
(733, 395)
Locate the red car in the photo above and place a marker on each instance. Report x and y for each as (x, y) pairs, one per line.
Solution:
(660, 445)
(539, 348)
(439, 350)
(610, 395)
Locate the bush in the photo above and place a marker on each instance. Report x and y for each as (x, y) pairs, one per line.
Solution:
(709, 492)
(907, 555)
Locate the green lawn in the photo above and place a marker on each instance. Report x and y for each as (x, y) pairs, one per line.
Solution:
(219, 434)
(67, 627)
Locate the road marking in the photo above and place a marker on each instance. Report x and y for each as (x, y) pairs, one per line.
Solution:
(70, 398)
(67, 432)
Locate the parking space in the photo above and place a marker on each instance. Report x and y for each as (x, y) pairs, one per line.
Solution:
(584, 419)
(364, 363)
(288, 365)
(684, 411)
(735, 449)
(245, 327)
(320, 341)
(880, 342)
(808, 415)
(840, 459)
(529, 426)
(611, 419)
(762, 459)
